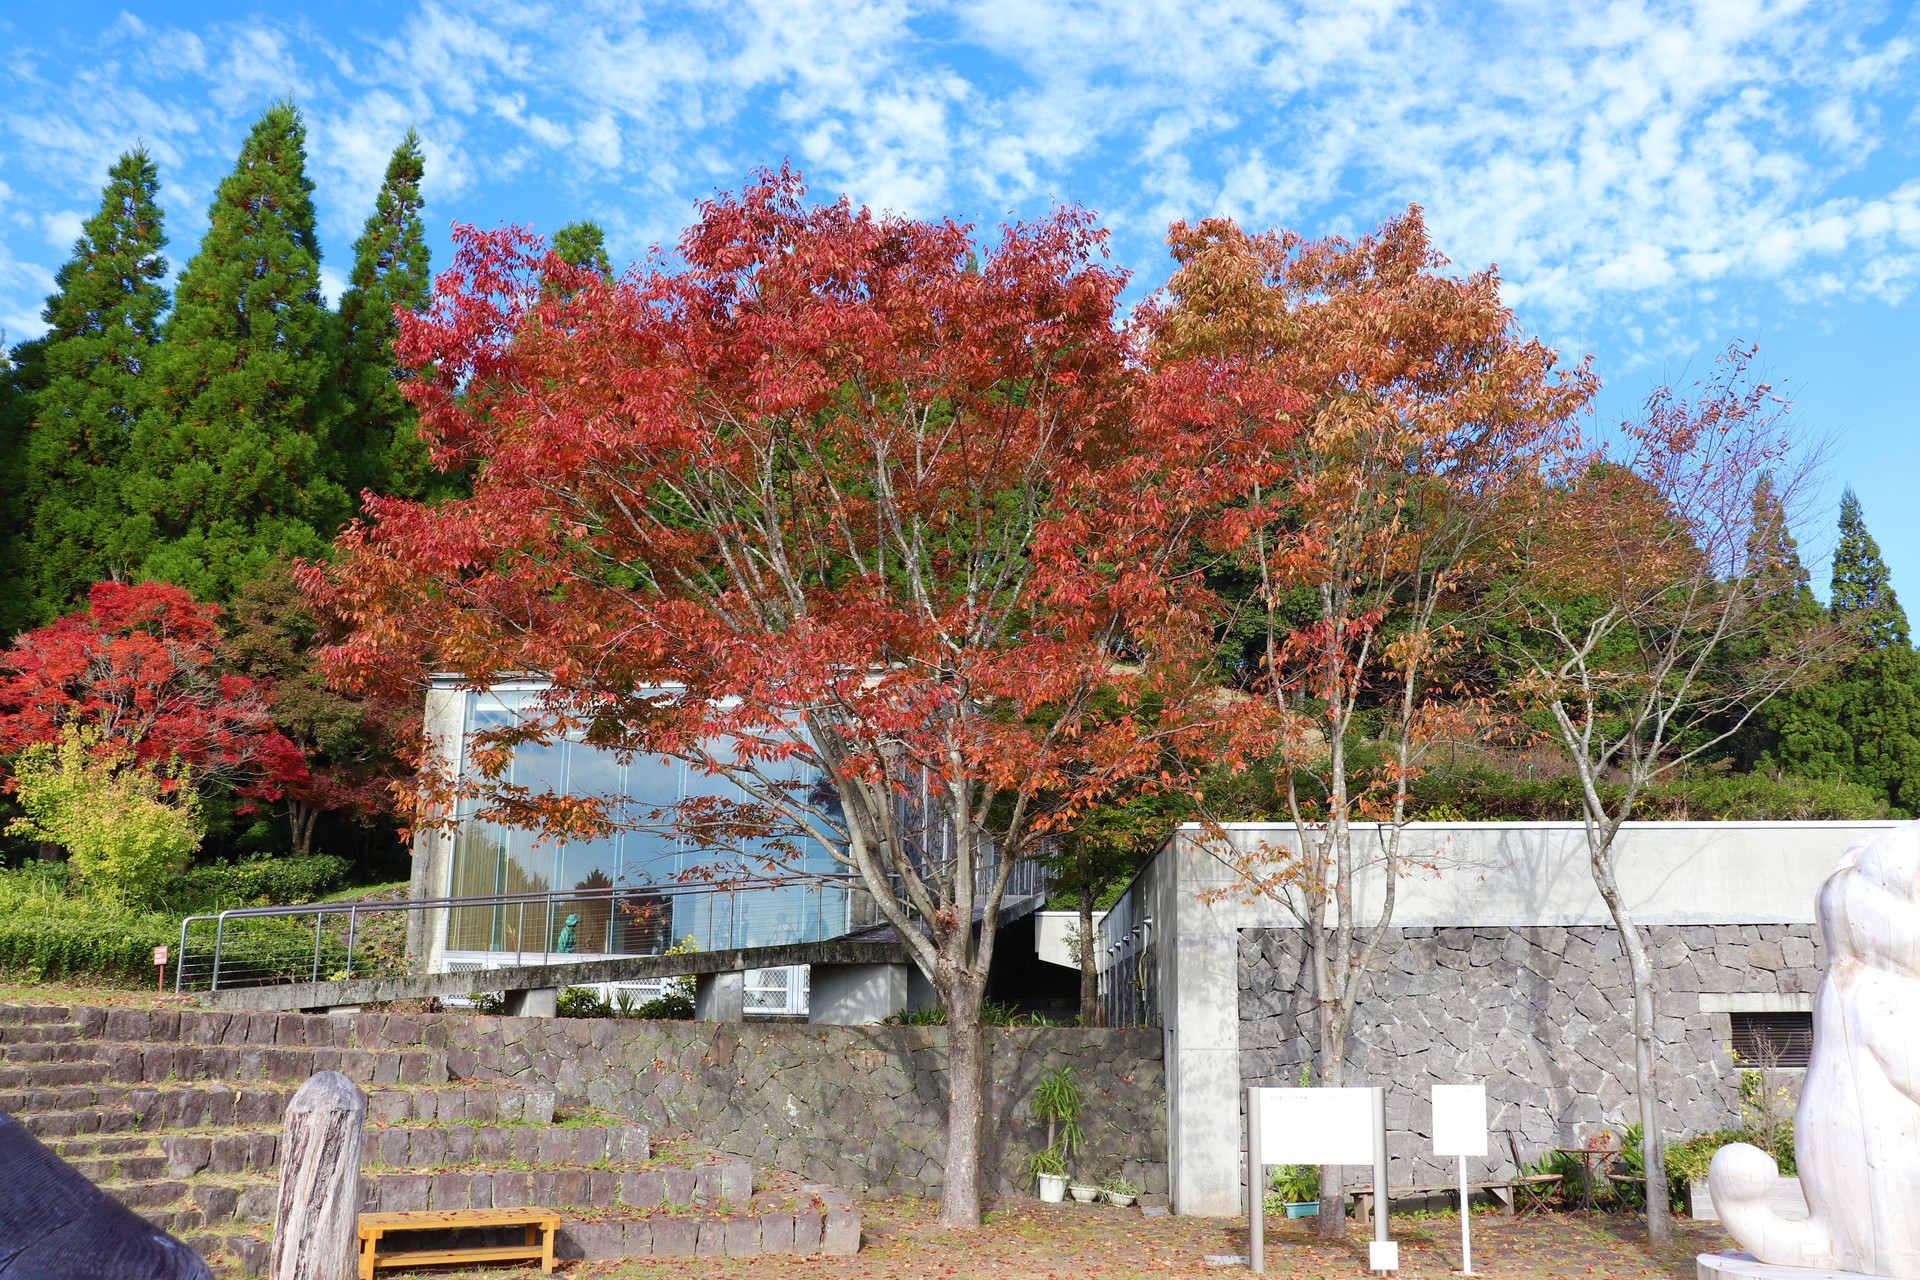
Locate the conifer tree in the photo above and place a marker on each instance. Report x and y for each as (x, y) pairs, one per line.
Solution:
(375, 436)
(583, 244)
(102, 326)
(1862, 723)
(1773, 557)
(227, 464)
(16, 404)
(1862, 594)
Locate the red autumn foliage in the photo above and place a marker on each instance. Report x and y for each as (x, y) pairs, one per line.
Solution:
(877, 505)
(143, 664)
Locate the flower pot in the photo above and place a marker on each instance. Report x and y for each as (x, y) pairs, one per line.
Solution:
(1053, 1187)
(1119, 1199)
(1085, 1195)
(1303, 1208)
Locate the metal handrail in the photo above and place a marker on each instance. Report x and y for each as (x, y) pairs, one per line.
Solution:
(548, 898)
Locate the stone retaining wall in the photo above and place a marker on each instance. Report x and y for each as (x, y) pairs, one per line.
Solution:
(1541, 1014)
(860, 1107)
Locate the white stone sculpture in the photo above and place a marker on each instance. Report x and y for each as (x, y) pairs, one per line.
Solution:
(1857, 1127)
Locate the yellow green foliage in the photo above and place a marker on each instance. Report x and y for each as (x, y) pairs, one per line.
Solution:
(126, 827)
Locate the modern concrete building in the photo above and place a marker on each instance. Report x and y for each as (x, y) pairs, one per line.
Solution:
(641, 890)
(1502, 965)
(635, 892)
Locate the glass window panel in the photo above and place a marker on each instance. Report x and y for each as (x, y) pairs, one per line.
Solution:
(648, 849)
(541, 767)
(478, 856)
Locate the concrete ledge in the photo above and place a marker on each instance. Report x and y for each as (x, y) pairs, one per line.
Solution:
(534, 977)
(1729, 1265)
(1757, 1002)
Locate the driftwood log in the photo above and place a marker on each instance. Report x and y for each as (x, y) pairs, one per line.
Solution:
(315, 1220)
(56, 1225)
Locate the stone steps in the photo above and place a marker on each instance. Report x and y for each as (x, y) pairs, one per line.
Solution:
(185, 1204)
(177, 1115)
(72, 1110)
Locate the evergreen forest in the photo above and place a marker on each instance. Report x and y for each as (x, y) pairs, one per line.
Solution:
(173, 451)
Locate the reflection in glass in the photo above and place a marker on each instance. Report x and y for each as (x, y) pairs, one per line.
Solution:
(637, 890)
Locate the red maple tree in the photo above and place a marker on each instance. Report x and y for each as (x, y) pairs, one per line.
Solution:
(143, 665)
(847, 498)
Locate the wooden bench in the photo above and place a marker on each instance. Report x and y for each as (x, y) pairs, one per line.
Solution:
(540, 1226)
(1505, 1190)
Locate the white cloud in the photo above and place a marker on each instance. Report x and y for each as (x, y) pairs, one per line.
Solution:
(1623, 161)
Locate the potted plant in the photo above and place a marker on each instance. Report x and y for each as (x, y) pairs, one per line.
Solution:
(1297, 1187)
(1050, 1171)
(1056, 1104)
(1119, 1192)
(1084, 1192)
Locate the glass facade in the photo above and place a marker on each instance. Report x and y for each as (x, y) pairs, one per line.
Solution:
(634, 892)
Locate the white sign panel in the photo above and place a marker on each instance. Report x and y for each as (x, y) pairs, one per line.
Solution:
(1316, 1126)
(1460, 1120)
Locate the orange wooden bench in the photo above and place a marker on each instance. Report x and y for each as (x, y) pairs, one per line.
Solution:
(375, 1227)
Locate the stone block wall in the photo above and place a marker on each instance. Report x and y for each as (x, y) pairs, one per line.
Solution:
(860, 1107)
(1542, 1015)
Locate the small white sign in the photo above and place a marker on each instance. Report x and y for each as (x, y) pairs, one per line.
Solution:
(1316, 1126)
(1383, 1255)
(159, 955)
(1460, 1120)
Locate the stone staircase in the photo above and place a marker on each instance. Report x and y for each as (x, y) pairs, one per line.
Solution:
(177, 1115)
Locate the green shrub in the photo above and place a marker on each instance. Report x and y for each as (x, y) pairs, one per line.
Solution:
(1714, 795)
(219, 886)
(1296, 1183)
(127, 827)
(106, 947)
(583, 1002)
(674, 1006)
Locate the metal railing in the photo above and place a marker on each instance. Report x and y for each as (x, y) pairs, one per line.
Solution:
(256, 946)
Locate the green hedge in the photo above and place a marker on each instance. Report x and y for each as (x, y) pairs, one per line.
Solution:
(111, 949)
(218, 886)
(1486, 795)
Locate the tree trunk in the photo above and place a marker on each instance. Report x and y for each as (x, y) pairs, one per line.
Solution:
(1333, 1075)
(966, 1105)
(314, 1236)
(1653, 1146)
(300, 819)
(1089, 977)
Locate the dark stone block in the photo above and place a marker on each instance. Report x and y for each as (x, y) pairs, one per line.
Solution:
(646, 1190)
(776, 1232)
(679, 1185)
(511, 1190)
(807, 1229)
(571, 1187)
(743, 1237)
(404, 1192)
(675, 1237)
(712, 1242)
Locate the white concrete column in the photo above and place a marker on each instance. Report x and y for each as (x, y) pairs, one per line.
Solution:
(720, 997)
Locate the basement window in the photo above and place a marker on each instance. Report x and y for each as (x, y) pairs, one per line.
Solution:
(1773, 1039)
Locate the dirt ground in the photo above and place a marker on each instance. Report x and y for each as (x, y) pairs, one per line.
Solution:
(1023, 1237)
(1089, 1242)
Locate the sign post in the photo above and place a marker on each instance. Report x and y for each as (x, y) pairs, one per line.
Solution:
(160, 962)
(1460, 1130)
(1314, 1127)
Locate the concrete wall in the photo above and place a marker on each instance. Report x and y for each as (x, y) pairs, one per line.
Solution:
(433, 846)
(1506, 875)
(861, 1107)
(1541, 1015)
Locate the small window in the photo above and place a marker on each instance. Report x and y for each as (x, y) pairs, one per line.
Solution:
(1773, 1039)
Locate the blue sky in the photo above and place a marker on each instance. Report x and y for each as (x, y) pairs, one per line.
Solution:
(1654, 181)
